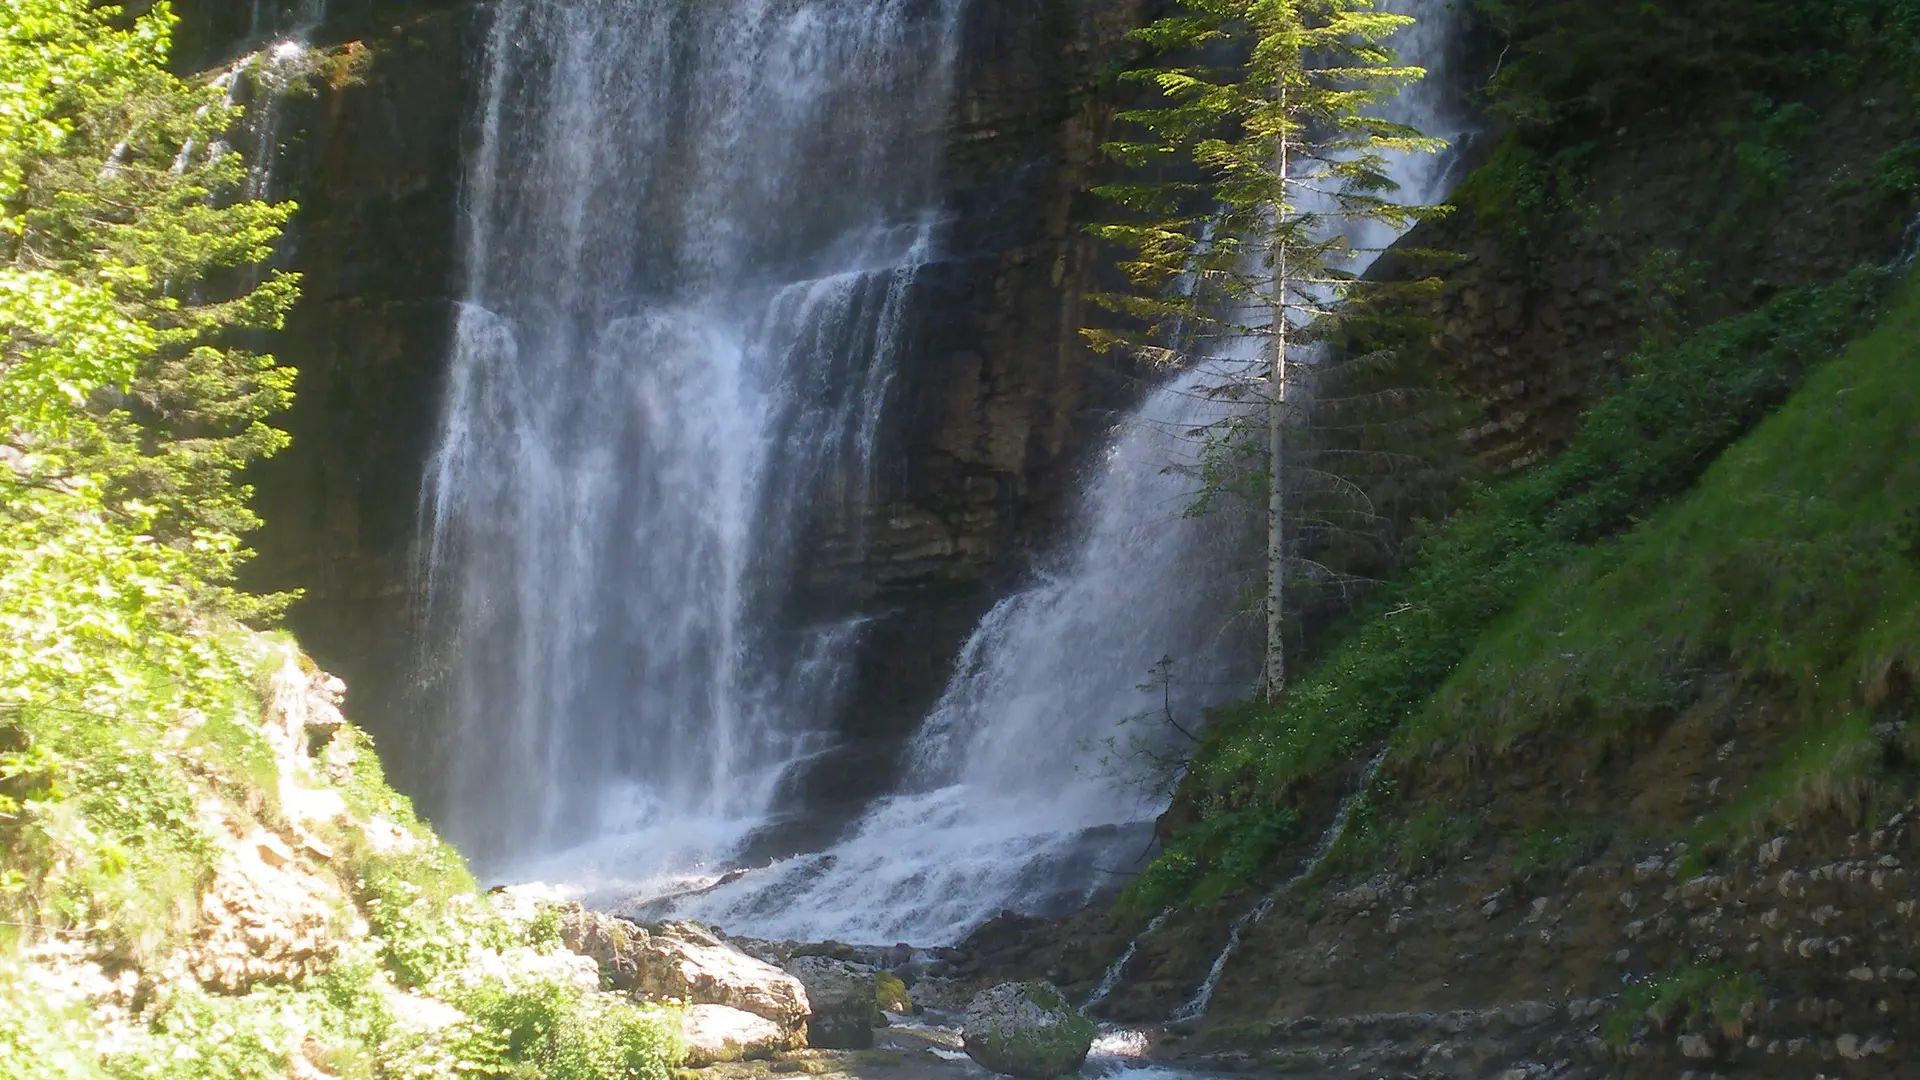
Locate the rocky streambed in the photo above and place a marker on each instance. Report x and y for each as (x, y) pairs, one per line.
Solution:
(756, 1008)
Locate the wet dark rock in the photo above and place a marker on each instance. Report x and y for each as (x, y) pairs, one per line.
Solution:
(842, 996)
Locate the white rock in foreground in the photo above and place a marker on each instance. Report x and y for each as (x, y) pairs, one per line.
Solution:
(716, 1033)
(686, 962)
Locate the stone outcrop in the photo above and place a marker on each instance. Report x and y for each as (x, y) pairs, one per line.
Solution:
(687, 963)
(843, 998)
(266, 917)
(1026, 1030)
(1535, 319)
(612, 942)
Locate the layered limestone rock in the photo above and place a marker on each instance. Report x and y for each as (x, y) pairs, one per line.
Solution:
(1534, 321)
(685, 962)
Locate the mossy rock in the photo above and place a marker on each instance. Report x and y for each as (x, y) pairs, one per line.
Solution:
(890, 993)
(1027, 1030)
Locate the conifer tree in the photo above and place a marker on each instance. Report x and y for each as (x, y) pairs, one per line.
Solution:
(1257, 164)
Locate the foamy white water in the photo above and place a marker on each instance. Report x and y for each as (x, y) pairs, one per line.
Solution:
(1007, 802)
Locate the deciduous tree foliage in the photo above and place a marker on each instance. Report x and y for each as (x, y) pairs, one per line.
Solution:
(127, 403)
(129, 270)
(1259, 160)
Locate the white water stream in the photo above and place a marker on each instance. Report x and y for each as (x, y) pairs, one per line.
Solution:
(1110, 978)
(693, 231)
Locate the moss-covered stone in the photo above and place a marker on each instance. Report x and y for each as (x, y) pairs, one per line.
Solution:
(1027, 1030)
(890, 993)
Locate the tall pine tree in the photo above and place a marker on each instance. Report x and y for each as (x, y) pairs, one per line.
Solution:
(1259, 163)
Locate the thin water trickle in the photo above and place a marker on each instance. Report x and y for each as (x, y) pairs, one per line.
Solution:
(1196, 1006)
(1110, 978)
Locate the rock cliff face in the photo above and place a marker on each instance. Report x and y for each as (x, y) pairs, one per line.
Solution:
(999, 399)
(1560, 267)
(376, 169)
(1794, 955)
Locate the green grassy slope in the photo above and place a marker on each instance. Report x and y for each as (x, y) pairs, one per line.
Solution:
(1795, 564)
(202, 896)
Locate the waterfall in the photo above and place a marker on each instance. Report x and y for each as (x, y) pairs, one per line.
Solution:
(1005, 805)
(693, 236)
(691, 241)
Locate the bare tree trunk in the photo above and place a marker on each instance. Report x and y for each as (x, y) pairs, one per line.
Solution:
(1274, 677)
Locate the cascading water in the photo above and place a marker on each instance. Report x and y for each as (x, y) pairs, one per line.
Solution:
(1006, 804)
(1001, 809)
(692, 238)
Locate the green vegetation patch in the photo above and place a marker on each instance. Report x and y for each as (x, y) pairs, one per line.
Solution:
(1792, 564)
(1679, 407)
(1557, 847)
(1212, 858)
(1695, 995)
(1433, 838)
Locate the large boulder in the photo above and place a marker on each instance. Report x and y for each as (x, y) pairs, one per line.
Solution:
(1026, 1030)
(717, 1033)
(686, 962)
(611, 941)
(843, 996)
